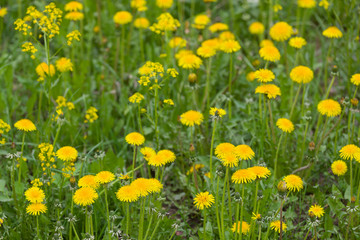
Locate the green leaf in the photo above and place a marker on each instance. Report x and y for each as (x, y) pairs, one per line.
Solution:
(19, 188)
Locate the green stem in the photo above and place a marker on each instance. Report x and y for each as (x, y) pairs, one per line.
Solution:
(37, 226)
(230, 81)
(351, 180)
(75, 231)
(134, 162)
(242, 209)
(276, 156)
(141, 224)
(223, 203)
(141, 45)
(156, 118)
(294, 103)
(148, 229)
(204, 226)
(271, 121)
(21, 157)
(207, 88)
(107, 212)
(57, 134)
(139, 119)
(128, 218)
(307, 234)
(217, 207)
(329, 88)
(122, 59)
(303, 144)
(211, 153)
(156, 227)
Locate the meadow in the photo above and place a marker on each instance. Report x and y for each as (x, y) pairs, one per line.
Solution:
(179, 119)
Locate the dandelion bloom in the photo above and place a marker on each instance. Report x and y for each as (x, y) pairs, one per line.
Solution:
(293, 182)
(127, 194)
(216, 27)
(74, 16)
(203, 200)
(3, 12)
(135, 139)
(229, 160)
(332, 32)
(141, 23)
(34, 195)
(190, 61)
(275, 225)
(270, 53)
(85, 196)
(355, 79)
(165, 4)
(260, 172)
(301, 74)
(104, 177)
(206, 52)
(339, 168)
(245, 227)
(244, 152)
(183, 52)
(191, 118)
(25, 125)
(147, 152)
(139, 5)
(350, 151)
(306, 3)
(122, 17)
(271, 90)
(329, 107)
(64, 65)
(201, 21)
(217, 112)
(226, 36)
(157, 160)
(281, 31)
(155, 185)
(256, 28)
(142, 185)
(297, 42)
(167, 155)
(256, 216)
(266, 43)
(177, 42)
(73, 6)
(230, 46)
(67, 153)
(316, 210)
(36, 209)
(224, 148)
(264, 75)
(285, 125)
(250, 76)
(243, 176)
(88, 181)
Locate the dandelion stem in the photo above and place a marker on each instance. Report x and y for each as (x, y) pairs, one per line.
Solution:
(134, 162)
(207, 88)
(307, 234)
(139, 119)
(204, 226)
(37, 226)
(217, 207)
(150, 222)
(141, 45)
(75, 231)
(329, 88)
(107, 212)
(303, 144)
(276, 156)
(211, 153)
(156, 118)
(242, 209)
(21, 157)
(230, 81)
(122, 59)
(156, 226)
(141, 224)
(223, 203)
(271, 121)
(294, 103)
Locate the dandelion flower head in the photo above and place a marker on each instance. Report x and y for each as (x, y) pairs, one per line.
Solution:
(301, 74)
(355, 79)
(243, 176)
(271, 90)
(245, 227)
(256, 28)
(275, 225)
(329, 107)
(316, 210)
(25, 125)
(260, 172)
(270, 53)
(135, 139)
(332, 32)
(104, 177)
(88, 181)
(34, 195)
(297, 42)
(281, 31)
(285, 125)
(203, 200)
(122, 17)
(67, 154)
(293, 183)
(36, 209)
(339, 168)
(127, 194)
(264, 75)
(191, 118)
(85, 196)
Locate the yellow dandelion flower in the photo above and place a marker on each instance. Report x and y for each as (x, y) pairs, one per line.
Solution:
(74, 16)
(122, 17)
(157, 160)
(332, 32)
(277, 7)
(349, 152)
(164, 4)
(182, 53)
(293, 182)
(191, 118)
(139, 5)
(217, 27)
(329, 107)
(256, 216)
(244, 226)
(244, 152)
(324, 3)
(35, 195)
(135, 139)
(177, 42)
(190, 61)
(36, 209)
(142, 185)
(301, 74)
(104, 177)
(67, 154)
(155, 185)
(297, 42)
(229, 160)
(88, 181)
(147, 152)
(260, 172)
(203, 200)
(212, 43)
(64, 65)
(206, 52)
(281, 31)
(141, 23)
(43, 69)
(223, 149)
(25, 125)
(230, 46)
(339, 168)
(201, 21)
(167, 155)
(73, 6)
(85, 196)
(285, 125)
(197, 168)
(3, 12)
(127, 194)
(243, 176)
(264, 75)
(266, 43)
(316, 210)
(271, 90)
(355, 79)
(256, 28)
(226, 36)
(275, 225)
(250, 76)
(217, 112)
(306, 3)
(269, 53)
